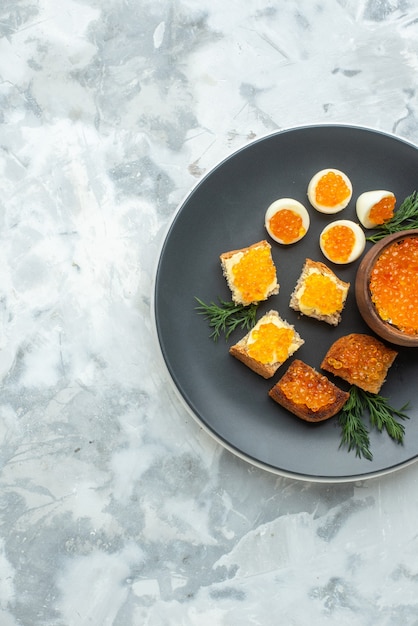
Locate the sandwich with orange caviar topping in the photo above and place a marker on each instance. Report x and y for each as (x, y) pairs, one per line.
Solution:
(319, 293)
(267, 345)
(250, 273)
(361, 360)
(308, 394)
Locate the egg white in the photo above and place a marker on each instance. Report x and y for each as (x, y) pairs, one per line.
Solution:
(366, 201)
(312, 188)
(359, 244)
(292, 205)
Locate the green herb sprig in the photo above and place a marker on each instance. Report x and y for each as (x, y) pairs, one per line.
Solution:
(227, 316)
(405, 217)
(354, 432)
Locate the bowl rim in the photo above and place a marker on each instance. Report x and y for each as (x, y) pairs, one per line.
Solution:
(363, 297)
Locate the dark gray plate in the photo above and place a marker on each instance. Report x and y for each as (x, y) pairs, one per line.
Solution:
(226, 211)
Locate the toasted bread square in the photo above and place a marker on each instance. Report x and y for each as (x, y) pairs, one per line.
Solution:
(306, 393)
(250, 273)
(319, 293)
(266, 346)
(360, 360)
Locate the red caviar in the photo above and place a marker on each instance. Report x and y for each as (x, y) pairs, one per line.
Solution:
(271, 344)
(322, 294)
(305, 386)
(331, 190)
(254, 273)
(394, 285)
(383, 210)
(338, 243)
(287, 225)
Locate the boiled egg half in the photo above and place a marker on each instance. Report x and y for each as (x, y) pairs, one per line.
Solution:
(286, 221)
(329, 191)
(342, 241)
(374, 208)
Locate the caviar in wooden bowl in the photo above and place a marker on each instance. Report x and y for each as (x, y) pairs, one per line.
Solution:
(387, 288)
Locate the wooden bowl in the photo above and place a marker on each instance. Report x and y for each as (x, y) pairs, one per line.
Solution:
(367, 309)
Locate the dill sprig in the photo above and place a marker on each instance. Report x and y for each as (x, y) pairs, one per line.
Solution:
(354, 432)
(405, 217)
(382, 416)
(227, 316)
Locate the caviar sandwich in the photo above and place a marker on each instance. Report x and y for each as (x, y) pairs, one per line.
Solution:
(250, 273)
(360, 360)
(307, 393)
(319, 293)
(268, 345)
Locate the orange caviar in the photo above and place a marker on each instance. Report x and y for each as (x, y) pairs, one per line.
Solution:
(287, 225)
(382, 211)
(362, 359)
(338, 243)
(394, 285)
(303, 385)
(254, 274)
(271, 344)
(331, 190)
(321, 294)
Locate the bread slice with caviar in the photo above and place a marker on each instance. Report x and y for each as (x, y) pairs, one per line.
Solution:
(319, 293)
(267, 345)
(250, 273)
(308, 394)
(361, 360)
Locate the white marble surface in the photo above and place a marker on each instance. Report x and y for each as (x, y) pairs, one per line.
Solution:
(116, 508)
